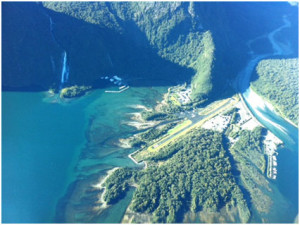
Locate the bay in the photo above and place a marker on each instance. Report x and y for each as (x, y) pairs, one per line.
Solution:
(40, 142)
(46, 146)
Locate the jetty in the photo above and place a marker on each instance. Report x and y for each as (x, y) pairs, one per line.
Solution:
(124, 89)
(138, 163)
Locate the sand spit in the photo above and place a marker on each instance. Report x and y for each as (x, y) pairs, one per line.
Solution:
(140, 107)
(258, 103)
(124, 143)
(141, 125)
(100, 186)
(134, 217)
(136, 119)
(137, 116)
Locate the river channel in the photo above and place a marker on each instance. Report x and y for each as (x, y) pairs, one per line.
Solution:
(285, 187)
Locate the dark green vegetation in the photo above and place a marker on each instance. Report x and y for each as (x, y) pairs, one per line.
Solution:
(249, 148)
(196, 176)
(248, 152)
(200, 172)
(147, 43)
(166, 29)
(249, 162)
(147, 137)
(117, 185)
(278, 83)
(154, 115)
(74, 91)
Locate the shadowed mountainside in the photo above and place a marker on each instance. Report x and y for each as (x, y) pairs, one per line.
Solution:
(147, 43)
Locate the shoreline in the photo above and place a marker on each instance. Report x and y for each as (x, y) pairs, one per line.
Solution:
(271, 143)
(137, 106)
(137, 163)
(123, 143)
(256, 103)
(274, 108)
(137, 116)
(248, 110)
(100, 186)
(141, 125)
(120, 91)
(137, 121)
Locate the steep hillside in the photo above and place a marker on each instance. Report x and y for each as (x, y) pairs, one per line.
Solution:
(147, 43)
(27, 47)
(165, 36)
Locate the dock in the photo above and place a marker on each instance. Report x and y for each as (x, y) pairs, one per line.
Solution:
(271, 142)
(124, 89)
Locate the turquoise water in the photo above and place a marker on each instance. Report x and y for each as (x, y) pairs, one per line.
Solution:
(106, 124)
(285, 187)
(40, 143)
(114, 214)
(53, 152)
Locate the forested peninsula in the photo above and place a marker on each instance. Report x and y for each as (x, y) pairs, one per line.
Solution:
(199, 154)
(211, 166)
(193, 174)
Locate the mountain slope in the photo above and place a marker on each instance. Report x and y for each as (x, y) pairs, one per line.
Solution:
(147, 43)
(27, 47)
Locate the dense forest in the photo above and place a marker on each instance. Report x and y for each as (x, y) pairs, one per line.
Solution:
(278, 83)
(249, 162)
(248, 152)
(192, 174)
(147, 43)
(203, 171)
(175, 33)
(160, 44)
